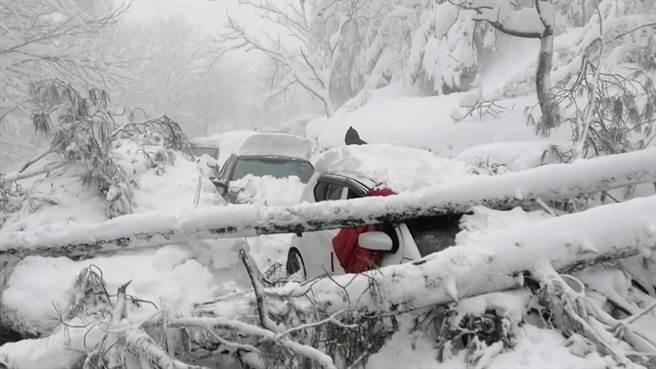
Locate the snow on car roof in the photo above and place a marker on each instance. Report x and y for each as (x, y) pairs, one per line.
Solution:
(276, 144)
(228, 142)
(395, 167)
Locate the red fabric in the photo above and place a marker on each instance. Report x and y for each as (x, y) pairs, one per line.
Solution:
(351, 256)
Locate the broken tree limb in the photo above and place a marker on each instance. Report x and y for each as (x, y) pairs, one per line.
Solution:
(550, 182)
(567, 243)
(221, 323)
(11, 177)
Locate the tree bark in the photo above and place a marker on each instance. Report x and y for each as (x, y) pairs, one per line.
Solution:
(543, 85)
(551, 182)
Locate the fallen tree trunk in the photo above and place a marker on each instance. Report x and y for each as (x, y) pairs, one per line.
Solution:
(567, 243)
(552, 182)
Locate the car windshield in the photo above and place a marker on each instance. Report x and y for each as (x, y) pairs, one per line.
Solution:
(275, 167)
(434, 233)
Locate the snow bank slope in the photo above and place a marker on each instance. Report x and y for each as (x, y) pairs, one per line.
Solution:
(424, 122)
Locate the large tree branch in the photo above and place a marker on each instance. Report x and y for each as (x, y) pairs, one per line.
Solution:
(551, 182)
(567, 243)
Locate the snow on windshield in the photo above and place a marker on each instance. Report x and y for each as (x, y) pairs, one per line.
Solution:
(267, 190)
(398, 168)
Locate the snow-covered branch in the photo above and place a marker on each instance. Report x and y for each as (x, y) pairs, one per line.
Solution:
(551, 182)
(244, 328)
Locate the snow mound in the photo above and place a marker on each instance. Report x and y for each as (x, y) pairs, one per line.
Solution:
(482, 220)
(267, 190)
(514, 155)
(168, 275)
(398, 168)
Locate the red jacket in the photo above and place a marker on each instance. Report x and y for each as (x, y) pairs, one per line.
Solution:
(351, 256)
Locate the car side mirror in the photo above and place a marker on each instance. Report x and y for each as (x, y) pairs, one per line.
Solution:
(220, 185)
(375, 241)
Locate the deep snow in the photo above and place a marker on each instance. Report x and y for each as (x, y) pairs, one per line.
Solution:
(180, 275)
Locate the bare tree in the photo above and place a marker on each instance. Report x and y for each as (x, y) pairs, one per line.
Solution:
(53, 39)
(537, 22)
(304, 40)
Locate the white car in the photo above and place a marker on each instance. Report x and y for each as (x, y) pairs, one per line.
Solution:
(352, 172)
(277, 155)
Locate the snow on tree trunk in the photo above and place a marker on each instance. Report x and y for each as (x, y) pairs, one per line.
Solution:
(551, 182)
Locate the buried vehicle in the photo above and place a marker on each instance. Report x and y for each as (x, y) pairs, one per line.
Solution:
(373, 170)
(275, 155)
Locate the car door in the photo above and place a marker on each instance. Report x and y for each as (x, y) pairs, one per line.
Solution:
(316, 247)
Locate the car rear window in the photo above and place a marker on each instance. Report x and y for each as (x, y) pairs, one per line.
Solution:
(434, 233)
(275, 167)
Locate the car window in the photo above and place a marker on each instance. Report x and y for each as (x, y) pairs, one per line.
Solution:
(328, 191)
(334, 191)
(352, 194)
(434, 233)
(320, 191)
(275, 167)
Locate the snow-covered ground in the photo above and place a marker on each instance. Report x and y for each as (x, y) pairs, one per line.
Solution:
(536, 348)
(419, 131)
(424, 122)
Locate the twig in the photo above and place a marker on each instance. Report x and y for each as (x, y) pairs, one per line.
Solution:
(198, 188)
(634, 29)
(330, 319)
(34, 160)
(265, 320)
(544, 206)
